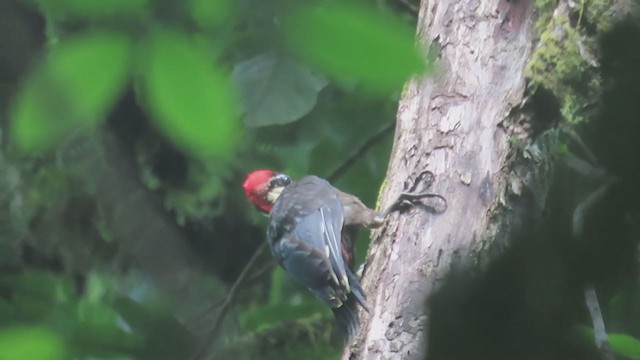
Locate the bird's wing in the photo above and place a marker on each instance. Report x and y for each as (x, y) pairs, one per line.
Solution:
(331, 235)
(322, 230)
(305, 227)
(310, 267)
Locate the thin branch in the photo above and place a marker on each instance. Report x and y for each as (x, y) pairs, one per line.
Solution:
(583, 167)
(590, 296)
(586, 205)
(361, 151)
(228, 301)
(600, 334)
(583, 146)
(268, 266)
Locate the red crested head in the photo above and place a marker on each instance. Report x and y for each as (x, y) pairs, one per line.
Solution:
(263, 187)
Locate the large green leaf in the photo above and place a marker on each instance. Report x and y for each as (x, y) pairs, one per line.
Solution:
(74, 87)
(192, 101)
(348, 41)
(33, 343)
(276, 90)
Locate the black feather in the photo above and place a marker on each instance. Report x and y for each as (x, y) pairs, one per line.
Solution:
(347, 314)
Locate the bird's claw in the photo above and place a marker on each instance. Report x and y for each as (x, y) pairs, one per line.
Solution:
(410, 197)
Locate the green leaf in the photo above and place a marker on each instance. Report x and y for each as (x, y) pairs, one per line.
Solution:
(353, 41)
(209, 13)
(625, 345)
(39, 285)
(74, 88)
(276, 90)
(33, 343)
(96, 314)
(191, 100)
(93, 8)
(621, 344)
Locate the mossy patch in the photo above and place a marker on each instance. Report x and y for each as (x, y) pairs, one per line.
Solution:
(564, 62)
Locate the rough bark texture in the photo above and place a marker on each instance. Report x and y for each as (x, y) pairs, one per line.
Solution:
(453, 126)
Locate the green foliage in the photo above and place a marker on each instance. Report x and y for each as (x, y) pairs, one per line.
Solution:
(209, 13)
(303, 85)
(34, 343)
(105, 322)
(276, 90)
(563, 61)
(192, 101)
(353, 41)
(267, 316)
(203, 196)
(621, 344)
(83, 9)
(73, 88)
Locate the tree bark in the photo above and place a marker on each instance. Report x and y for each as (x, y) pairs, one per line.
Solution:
(454, 126)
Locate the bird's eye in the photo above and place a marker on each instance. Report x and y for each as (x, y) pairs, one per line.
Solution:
(280, 180)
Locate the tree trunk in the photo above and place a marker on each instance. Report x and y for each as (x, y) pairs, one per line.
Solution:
(454, 126)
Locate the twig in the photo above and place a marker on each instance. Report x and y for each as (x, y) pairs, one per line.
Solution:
(228, 301)
(578, 140)
(361, 151)
(583, 168)
(599, 332)
(590, 296)
(589, 202)
(256, 274)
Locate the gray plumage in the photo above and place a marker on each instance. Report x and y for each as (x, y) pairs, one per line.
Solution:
(305, 231)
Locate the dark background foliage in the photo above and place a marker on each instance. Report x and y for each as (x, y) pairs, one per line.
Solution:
(127, 130)
(127, 127)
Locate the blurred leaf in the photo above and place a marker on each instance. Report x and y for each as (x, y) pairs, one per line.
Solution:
(42, 286)
(191, 100)
(33, 343)
(353, 41)
(96, 314)
(75, 87)
(100, 332)
(621, 344)
(165, 337)
(201, 198)
(6, 311)
(624, 310)
(276, 90)
(93, 8)
(97, 286)
(209, 13)
(625, 345)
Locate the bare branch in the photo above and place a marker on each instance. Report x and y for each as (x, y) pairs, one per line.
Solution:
(600, 334)
(361, 151)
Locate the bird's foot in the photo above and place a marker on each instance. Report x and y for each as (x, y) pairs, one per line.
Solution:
(410, 197)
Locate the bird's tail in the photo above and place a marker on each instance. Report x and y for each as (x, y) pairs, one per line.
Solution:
(347, 314)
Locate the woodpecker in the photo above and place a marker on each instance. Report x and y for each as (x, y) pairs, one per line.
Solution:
(311, 233)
